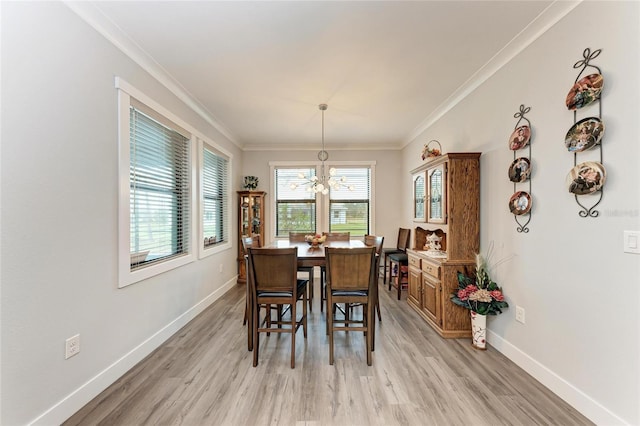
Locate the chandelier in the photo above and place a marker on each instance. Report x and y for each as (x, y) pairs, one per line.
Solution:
(323, 183)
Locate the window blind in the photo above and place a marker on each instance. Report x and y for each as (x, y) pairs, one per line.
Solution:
(215, 221)
(160, 202)
(295, 209)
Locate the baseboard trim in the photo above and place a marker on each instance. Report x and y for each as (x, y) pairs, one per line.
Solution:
(586, 405)
(85, 393)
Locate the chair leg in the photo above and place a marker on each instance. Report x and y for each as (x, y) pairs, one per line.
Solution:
(323, 290)
(304, 315)
(293, 334)
(370, 321)
(256, 338)
(330, 329)
(310, 290)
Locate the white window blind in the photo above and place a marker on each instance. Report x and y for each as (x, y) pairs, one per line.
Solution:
(295, 209)
(215, 220)
(160, 202)
(349, 211)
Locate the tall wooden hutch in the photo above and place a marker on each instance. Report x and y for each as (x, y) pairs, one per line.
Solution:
(251, 220)
(446, 201)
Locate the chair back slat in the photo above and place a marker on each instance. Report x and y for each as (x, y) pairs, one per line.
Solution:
(337, 236)
(350, 268)
(273, 269)
(377, 242)
(404, 239)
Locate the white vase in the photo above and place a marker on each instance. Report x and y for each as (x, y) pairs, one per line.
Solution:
(478, 331)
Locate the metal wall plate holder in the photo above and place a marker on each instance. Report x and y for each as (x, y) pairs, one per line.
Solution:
(584, 63)
(520, 116)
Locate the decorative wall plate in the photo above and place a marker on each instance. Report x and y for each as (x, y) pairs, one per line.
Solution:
(519, 138)
(520, 170)
(586, 178)
(585, 91)
(520, 203)
(585, 134)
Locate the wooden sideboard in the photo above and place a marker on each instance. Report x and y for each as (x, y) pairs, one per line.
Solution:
(431, 281)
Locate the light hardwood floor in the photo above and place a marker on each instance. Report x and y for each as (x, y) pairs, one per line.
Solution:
(203, 376)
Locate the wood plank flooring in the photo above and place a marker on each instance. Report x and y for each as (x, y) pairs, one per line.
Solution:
(203, 375)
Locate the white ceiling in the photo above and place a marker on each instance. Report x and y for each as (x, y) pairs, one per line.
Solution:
(258, 70)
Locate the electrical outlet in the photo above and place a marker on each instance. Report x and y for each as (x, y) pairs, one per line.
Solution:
(221, 267)
(520, 314)
(72, 346)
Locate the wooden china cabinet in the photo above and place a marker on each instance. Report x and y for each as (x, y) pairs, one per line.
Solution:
(251, 219)
(447, 203)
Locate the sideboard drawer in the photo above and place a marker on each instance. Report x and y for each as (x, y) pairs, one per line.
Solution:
(414, 261)
(431, 269)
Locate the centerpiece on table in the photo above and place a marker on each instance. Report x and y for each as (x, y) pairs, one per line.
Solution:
(315, 240)
(482, 296)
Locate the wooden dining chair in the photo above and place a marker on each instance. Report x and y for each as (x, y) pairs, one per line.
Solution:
(331, 236)
(351, 278)
(400, 261)
(299, 237)
(403, 243)
(377, 242)
(273, 280)
(249, 241)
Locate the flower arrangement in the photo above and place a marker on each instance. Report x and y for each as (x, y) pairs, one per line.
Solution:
(429, 152)
(250, 182)
(479, 292)
(315, 239)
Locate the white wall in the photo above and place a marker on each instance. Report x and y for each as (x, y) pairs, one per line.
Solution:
(59, 219)
(579, 289)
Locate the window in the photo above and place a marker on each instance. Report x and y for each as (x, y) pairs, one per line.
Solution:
(295, 209)
(341, 211)
(350, 211)
(159, 202)
(156, 188)
(215, 198)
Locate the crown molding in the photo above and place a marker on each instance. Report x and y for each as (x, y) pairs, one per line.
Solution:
(93, 16)
(315, 148)
(541, 24)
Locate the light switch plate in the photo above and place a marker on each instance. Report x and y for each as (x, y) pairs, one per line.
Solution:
(632, 242)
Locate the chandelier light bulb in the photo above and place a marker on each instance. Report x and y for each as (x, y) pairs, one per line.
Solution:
(293, 186)
(332, 171)
(300, 176)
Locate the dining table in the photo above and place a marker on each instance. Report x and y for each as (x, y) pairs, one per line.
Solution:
(308, 255)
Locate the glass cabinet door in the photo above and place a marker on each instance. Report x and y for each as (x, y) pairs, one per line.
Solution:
(244, 216)
(256, 220)
(419, 196)
(437, 200)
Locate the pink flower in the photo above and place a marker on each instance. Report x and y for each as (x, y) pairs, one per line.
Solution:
(462, 294)
(497, 295)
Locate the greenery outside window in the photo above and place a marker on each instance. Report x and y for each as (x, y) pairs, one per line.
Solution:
(350, 211)
(295, 209)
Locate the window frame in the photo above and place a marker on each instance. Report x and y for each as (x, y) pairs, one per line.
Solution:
(227, 244)
(327, 205)
(322, 201)
(126, 276)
